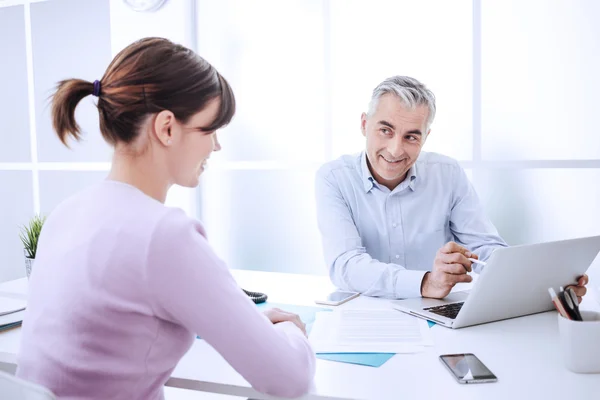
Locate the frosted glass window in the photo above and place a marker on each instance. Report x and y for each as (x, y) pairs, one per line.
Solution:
(17, 209)
(272, 53)
(71, 39)
(540, 63)
(263, 220)
(537, 205)
(14, 111)
(429, 40)
(57, 186)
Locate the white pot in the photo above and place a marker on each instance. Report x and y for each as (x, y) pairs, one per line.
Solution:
(29, 265)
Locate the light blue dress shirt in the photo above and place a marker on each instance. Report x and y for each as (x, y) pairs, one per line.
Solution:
(380, 242)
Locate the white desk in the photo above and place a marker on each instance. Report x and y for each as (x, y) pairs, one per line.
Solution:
(522, 352)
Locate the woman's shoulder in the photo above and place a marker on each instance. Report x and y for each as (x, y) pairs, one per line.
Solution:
(118, 207)
(175, 221)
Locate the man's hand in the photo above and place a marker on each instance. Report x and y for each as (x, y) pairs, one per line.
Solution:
(450, 266)
(580, 289)
(277, 315)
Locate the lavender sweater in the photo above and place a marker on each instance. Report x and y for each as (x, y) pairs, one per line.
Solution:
(121, 286)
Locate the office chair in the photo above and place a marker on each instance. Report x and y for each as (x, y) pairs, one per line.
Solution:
(14, 388)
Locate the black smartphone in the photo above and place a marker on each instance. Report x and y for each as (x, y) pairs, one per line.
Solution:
(467, 368)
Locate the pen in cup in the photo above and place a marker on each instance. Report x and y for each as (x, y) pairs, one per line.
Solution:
(569, 299)
(558, 304)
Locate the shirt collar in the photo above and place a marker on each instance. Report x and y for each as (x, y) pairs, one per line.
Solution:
(369, 181)
(367, 178)
(412, 174)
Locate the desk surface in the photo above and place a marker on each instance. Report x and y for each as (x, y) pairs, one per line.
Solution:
(522, 352)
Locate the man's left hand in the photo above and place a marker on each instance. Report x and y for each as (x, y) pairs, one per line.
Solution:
(580, 289)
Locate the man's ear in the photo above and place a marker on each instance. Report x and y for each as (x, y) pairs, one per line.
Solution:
(426, 136)
(163, 123)
(363, 124)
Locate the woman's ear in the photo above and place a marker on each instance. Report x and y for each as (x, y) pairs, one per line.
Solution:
(163, 124)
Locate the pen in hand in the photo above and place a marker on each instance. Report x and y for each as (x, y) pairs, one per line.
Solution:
(474, 261)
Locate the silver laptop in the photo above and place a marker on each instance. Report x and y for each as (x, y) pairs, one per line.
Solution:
(514, 283)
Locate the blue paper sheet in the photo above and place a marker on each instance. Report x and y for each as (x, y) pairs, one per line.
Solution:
(368, 359)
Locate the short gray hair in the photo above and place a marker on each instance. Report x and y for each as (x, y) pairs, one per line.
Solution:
(412, 93)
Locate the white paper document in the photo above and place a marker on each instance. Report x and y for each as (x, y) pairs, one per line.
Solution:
(369, 331)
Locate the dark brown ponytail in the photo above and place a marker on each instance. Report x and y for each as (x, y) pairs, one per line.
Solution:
(68, 94)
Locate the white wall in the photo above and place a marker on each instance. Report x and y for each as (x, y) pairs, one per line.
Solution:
(174, 21)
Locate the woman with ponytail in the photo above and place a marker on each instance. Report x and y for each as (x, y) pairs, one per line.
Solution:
(123, 284)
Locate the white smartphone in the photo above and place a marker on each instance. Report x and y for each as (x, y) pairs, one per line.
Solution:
(336, 298)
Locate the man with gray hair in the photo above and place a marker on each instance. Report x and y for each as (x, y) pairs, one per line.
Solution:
(395, 221)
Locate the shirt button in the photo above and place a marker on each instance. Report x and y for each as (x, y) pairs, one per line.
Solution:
(397, 256)
(394, 225)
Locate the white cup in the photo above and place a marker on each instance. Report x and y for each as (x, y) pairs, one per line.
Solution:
(579, 342)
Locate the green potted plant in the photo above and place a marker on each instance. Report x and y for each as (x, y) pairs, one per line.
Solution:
(29, 236)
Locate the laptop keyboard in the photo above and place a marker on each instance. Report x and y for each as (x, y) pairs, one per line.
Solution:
(446, 310)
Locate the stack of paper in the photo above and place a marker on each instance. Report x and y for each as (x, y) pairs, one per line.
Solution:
(369, 331)
(11, 312)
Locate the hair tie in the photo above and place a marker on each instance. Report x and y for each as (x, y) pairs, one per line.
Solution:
(96, 91)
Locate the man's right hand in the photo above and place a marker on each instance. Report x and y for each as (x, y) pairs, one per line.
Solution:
(450, 266)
